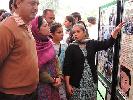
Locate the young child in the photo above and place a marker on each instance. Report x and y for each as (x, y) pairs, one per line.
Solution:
(60, 47)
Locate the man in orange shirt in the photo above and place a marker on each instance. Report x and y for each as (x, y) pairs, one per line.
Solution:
(19, 72)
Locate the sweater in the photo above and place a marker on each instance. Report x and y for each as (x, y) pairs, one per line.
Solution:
(19, 74)
(74, 60)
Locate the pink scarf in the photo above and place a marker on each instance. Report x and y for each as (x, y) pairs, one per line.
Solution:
(44, 46)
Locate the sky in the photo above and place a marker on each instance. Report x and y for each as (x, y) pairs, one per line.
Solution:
(74, 4)
(84, 7)
(66, 7)
(4, 4)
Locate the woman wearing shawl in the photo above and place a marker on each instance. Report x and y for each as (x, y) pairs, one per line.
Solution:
(79, 64)
(48, 63)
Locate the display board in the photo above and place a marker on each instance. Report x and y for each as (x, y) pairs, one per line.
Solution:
(125, 74)
(101, 94)
(107, 22)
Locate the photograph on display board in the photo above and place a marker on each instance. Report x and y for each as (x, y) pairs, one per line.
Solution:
(125, 76)
(125, 82)
(108, 14)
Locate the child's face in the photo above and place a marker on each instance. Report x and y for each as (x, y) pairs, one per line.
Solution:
(79, 34)
(58, 35)
(124, 82)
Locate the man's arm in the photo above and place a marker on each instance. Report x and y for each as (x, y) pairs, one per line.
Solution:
(6, 43)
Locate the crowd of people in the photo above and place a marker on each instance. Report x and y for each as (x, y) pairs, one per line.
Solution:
(40, 61)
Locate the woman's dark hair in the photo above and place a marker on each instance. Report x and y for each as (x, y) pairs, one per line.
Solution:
(54, 27)
(127, 71)
(70, 19)
(40, 21)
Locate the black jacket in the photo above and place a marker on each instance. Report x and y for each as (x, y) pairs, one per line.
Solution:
(74, 59)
